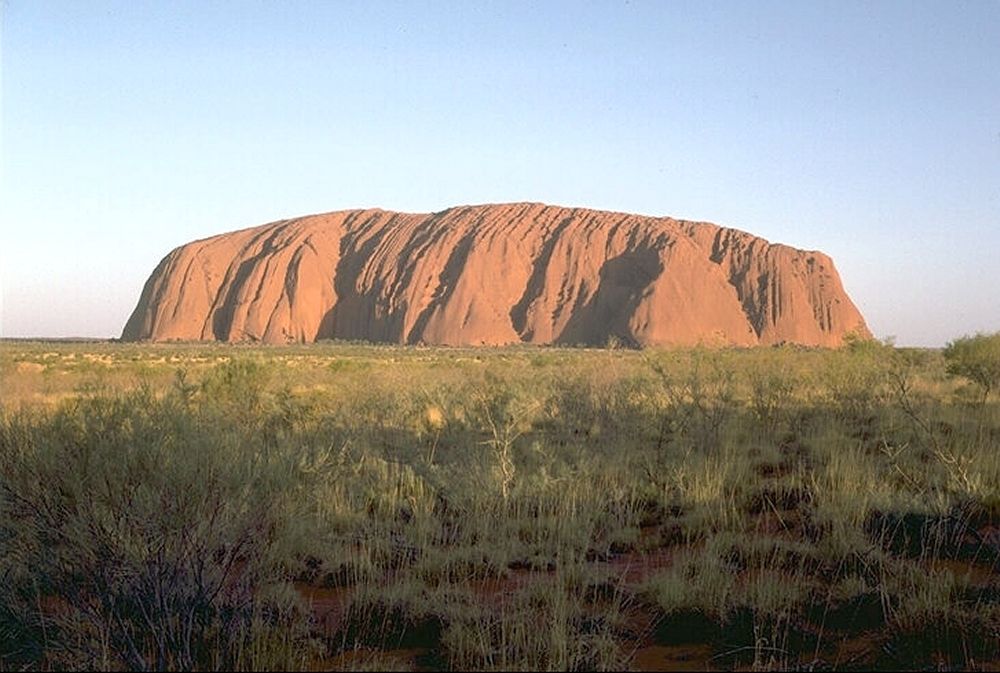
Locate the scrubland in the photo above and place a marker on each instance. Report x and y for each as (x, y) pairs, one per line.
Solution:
(357, 507)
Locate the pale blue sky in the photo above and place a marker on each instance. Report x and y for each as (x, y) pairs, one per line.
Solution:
(869, 131)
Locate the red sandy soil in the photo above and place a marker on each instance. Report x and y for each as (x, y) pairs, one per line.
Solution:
(627, 571)
(329, 607)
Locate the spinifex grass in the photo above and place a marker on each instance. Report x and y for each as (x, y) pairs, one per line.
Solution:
(354, 506)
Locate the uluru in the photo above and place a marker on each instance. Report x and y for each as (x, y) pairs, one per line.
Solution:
(495, 275)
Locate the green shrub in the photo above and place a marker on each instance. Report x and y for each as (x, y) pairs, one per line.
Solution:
(149, 531)
(976, 358)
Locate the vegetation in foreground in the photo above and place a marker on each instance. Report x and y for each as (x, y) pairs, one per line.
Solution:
(363, 508)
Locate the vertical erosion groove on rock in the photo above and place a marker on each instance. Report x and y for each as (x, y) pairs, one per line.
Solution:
(492, 275)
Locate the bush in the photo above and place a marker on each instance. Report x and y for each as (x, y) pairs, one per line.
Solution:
(976, 358)
(149, 532)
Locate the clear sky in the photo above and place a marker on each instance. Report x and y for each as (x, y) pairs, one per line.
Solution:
(870, 131)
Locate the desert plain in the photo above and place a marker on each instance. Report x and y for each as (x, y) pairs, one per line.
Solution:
(354, 506)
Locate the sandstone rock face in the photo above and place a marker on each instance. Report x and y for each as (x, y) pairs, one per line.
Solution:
(491, 275)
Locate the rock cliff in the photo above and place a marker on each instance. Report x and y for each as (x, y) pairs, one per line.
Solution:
(494, 274)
